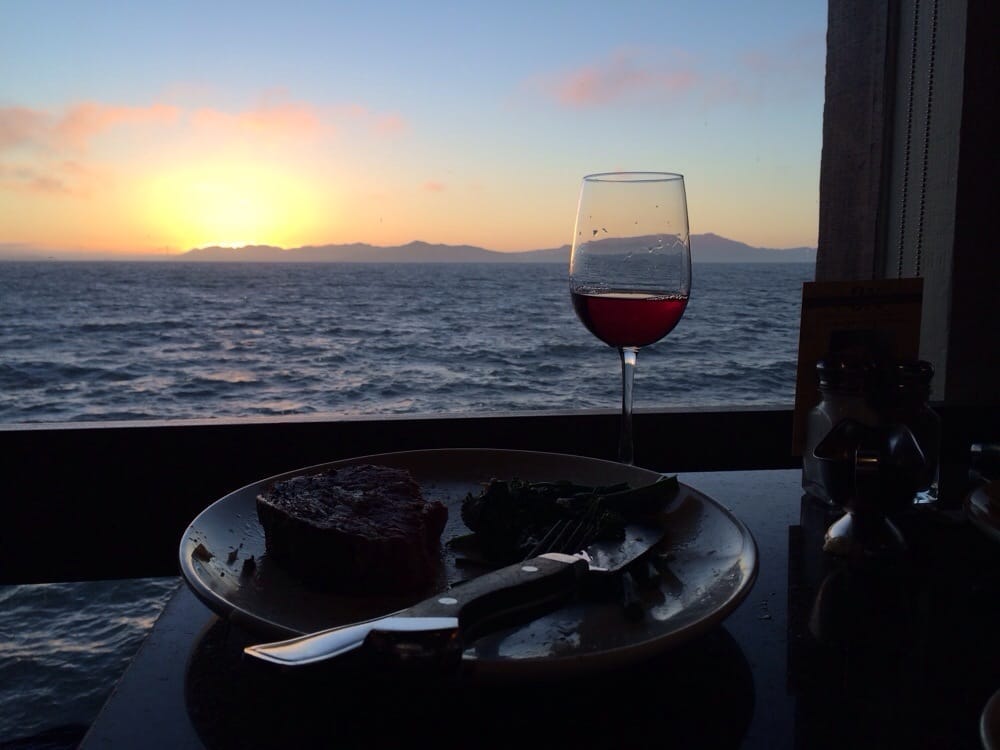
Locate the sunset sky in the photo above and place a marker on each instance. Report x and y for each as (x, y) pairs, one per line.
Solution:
(135, 127)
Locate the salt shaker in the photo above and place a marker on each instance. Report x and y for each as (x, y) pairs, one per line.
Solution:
(846, 390)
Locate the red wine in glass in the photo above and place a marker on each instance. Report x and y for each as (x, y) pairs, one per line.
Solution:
(630, 267)
(629, 318)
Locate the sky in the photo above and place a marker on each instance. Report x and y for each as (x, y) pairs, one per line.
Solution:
(134, 127)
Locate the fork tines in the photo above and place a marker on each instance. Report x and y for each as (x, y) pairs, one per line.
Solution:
(565, 535)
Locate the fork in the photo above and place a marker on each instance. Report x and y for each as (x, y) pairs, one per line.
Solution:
(571, 536)
(567, 535)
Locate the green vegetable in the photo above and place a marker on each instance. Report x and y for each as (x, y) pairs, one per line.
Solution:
(509, 518)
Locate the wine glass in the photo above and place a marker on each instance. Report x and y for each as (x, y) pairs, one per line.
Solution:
(630, 267)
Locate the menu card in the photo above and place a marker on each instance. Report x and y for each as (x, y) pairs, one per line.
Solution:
(878, 318)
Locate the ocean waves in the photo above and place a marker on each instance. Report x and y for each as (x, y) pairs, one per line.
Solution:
(103, 341)
(56, 638)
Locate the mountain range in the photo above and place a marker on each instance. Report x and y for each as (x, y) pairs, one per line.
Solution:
(705, 248)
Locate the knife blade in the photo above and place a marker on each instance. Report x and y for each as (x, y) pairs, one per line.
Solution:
(440, 627)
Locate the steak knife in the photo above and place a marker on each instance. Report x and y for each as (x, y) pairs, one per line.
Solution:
(441, 627)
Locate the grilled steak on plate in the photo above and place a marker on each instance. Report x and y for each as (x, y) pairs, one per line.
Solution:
(354, 529)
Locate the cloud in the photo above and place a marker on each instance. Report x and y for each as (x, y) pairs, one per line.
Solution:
(21, 126)
(292, 120)
(296, 120)
(620, 78)
(67, 178)
(790, 68)
(390, 125)
(75, 127)
(377, 124)
(432, 186)
(45, 184)
(86, 120)
(40, 150)
(56, 151)
(72, 129)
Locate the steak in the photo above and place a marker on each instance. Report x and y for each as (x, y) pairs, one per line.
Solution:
(354, 529)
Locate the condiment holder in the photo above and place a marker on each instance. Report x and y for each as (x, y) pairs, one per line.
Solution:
(872, 472)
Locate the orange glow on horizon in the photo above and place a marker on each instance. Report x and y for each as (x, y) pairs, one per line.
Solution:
(166, 178)
(231, 205)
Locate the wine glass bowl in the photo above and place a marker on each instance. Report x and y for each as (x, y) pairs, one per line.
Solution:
(630, 267)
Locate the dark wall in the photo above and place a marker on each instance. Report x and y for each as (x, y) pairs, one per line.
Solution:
(82, 502)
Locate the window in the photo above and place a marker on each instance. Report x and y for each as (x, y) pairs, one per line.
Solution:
(908, 169)
(244, 132)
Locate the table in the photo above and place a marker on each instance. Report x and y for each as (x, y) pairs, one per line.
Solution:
(819, 654)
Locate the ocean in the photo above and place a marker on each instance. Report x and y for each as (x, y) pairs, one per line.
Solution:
(174, 340)
(128, 341)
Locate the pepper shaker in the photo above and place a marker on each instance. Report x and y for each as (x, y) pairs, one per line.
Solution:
(905, 398)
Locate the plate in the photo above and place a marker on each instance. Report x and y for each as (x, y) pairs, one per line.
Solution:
(712, 560)
(983, 508)
(989, 723)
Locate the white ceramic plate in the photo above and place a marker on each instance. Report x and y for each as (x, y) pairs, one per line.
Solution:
(713, 559)
(983, 508)
(989, 723)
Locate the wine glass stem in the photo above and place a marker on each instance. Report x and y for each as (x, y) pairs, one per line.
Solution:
(628, 357)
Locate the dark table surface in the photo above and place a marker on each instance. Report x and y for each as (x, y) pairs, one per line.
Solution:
(899, 653)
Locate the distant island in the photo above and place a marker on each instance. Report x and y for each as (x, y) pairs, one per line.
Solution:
(705, 248)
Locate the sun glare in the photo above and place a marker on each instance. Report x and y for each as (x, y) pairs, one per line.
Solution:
(229, 206)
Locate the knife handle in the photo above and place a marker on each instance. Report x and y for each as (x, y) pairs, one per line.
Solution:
(439, 627)
(506, 596)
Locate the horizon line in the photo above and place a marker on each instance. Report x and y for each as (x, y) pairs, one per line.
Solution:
(29, 251)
